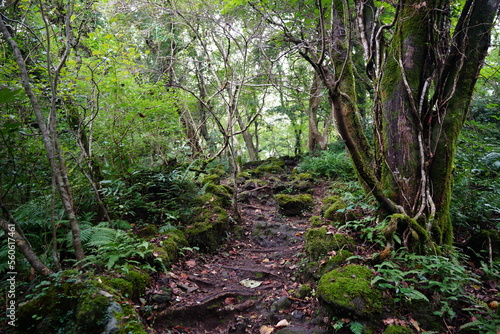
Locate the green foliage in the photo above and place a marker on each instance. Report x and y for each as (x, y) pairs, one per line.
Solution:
(486, 321)
(414, 278)
(354, 326)
(158, 197)
(476, 197)
(333, 163)
(113, 248)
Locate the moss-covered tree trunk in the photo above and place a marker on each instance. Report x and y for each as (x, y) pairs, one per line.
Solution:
(426, 85)
(423, 76)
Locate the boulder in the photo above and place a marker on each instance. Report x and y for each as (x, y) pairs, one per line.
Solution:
(293, 205)
(347, 292)
(72, 302)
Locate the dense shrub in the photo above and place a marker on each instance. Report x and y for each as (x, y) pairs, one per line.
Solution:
(333, 163)
(476, 195)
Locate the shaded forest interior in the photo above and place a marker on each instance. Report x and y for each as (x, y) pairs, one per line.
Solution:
(250, 166)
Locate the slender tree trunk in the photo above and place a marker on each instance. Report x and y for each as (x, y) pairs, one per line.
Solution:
(247, 137)
(14, 232)
(52, 149)
(318, 140)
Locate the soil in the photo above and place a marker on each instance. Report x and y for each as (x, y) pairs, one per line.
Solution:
(249, 285)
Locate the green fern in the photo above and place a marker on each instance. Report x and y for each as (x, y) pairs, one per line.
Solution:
(114, 248)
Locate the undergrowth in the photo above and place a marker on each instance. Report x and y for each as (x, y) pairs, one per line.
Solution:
(333, 163)
(115, 249)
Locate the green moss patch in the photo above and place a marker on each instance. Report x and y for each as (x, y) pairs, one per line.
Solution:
(293, 205)
(335, 261)
(75, 303)
(270, 167)
(318, 242)
(347, 291)
(335, 209)
(209, 229)
(396, 329)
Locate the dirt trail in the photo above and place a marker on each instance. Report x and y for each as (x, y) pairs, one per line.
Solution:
(249, 283)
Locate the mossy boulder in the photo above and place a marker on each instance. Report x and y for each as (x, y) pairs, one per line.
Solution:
(211, 178)
(70, 302)
(347, 292)
(218, 194)
(171, 246)
(302, 186)
(319, 241)
(396, 329)
(241, 177)
(293, 205)
(269, 167)
(208, 229)
(316, 221)
(147, 232)
(335, 261)
(334, 209)
(277, 184)
(122, 286)
(303, 177)
(140, 280)
(254, 184)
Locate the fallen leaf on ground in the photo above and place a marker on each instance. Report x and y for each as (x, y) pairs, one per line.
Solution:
(230, 301)
(283, 323)
(250, 283)
(266, 330)
(191, 263)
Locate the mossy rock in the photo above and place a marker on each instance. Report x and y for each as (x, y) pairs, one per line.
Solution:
(210, 199)
(335, 261)
(147, 232)
(316, 221)
(293, 205)
(271, 167)
(318, 242)
(124, 287)
(209, 229)
(212, 178)
(277, 184)
(139, 279)
(222, 193)
(302, 186)
(347, 292)
(254, 183)
(303, 177)
(335, 210)
(171, 247)
(396, 329)
(241, 177)
(71, 302)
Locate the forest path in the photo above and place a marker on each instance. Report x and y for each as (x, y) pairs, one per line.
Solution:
(249, 285)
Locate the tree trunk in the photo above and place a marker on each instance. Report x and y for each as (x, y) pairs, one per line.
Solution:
(51, 147)
(247, 137)
(423, 84)
(317, 140)
(14, 233)
(465, 57)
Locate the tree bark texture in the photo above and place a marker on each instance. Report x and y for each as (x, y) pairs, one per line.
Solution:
(423, 82)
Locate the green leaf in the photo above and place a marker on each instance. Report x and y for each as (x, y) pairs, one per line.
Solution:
(7, 95)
